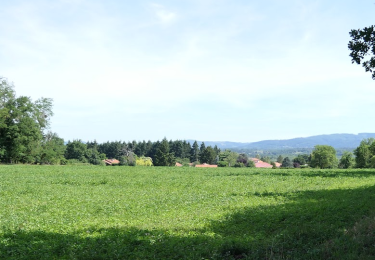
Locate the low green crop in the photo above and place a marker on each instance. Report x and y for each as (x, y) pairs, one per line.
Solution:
(83, 212)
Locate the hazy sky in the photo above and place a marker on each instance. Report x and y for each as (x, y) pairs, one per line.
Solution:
(215, 70)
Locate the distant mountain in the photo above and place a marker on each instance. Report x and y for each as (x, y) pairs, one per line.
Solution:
(335, 140)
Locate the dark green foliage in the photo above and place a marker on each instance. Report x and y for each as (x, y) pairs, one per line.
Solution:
(94, 157)
(346, 161)
(194, 152)
(323, 157)
(273, 165)
(22, 123)
(163, 157)
(202, 148)
(141, 148)
(52, 149)
(222, 164)
(217, 150)
(131, 159)
(239, 165)
(287, 163)
(76, 150)
(302, 159)
(362, 45)
(228, 156)
(123, 161)
(177, 148)
(250, 163)
(280, 159)
(208, 155)
(242, 158)
(364, 153)
(296, 165)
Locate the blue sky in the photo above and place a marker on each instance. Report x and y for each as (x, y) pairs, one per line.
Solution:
(207, 70)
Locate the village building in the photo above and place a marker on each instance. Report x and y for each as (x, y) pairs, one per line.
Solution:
(205, 165)
(260, 164)
(111, 161)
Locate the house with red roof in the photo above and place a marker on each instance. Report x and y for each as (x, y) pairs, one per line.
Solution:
(260, 164)
(205, 165)
(278, 165)
(111, 161)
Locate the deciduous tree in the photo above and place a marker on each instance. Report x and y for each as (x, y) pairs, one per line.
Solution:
(287, 163)
(361, 46)
(364, 152)
(22, 123)
(208, 155)
(323, 156)
(346, 160)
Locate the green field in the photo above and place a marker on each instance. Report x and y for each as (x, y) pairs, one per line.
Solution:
(83, 212)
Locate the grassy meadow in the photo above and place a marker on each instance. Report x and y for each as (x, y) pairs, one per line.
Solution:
(88, 212)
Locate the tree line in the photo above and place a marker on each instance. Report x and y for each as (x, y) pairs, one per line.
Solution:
(160, 153)
(25, 138)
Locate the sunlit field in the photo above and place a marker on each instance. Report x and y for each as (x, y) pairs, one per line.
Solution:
(88, 212)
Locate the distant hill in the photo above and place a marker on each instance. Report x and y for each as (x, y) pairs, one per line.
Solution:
(336, 140)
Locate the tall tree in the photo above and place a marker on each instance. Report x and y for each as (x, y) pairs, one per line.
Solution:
(346, 160)
(177, 148)
(363, 153)
(186, 150)
(208, 155)
(163, 157)
(287, 163)
(22, 123)
(194, 152)
(76, 150)
(323, 156)
(363, 45)
(242, 158)
(52, 149)
(202, 148)
(301, 159)
(229, 157)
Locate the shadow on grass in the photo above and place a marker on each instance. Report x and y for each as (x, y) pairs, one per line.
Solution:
(357, 173)
(298, 229)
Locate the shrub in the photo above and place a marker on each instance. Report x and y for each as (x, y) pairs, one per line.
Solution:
(296, 165)
(222, 164)
(250, 163)
(239, 165)
(144, 161)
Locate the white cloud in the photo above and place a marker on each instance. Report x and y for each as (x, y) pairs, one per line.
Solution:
(164, 16)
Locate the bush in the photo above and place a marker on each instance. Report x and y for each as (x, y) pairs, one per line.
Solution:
(239, 165)
(144, 161)
(296, 165)
(273, 165)
(222, 164)
(251, 164)
(63, 161)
